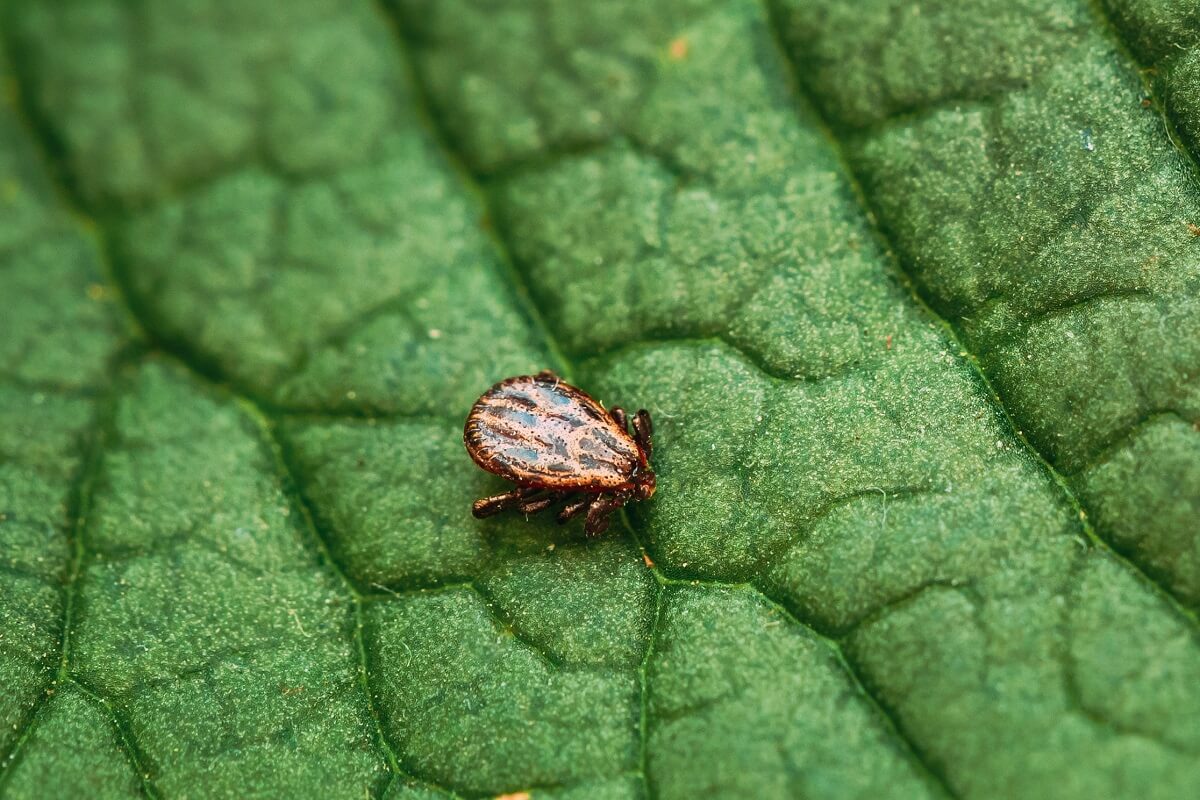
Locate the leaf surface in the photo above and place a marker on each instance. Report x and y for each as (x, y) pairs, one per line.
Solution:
(911, 290)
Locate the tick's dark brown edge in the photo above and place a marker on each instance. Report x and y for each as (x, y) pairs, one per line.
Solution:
(560, 447)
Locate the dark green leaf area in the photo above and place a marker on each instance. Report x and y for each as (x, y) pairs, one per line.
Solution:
(1051, 217)
(58, 335)
(523, 719)
(76, 722)
(205, 613)
(912, 291)
(729, 714)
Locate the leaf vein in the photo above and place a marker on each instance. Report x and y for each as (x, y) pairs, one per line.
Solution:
(954, 337)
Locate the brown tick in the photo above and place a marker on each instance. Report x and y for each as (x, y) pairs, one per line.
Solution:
(557, 444)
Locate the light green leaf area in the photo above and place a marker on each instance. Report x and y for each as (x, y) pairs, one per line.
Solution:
(912, 291)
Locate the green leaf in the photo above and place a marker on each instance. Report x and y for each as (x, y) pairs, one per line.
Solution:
(912, 291)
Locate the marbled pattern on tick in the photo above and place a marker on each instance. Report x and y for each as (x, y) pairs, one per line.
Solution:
(539, 430)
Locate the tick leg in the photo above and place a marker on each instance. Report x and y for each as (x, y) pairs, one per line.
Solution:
(643, 430)
(487, 506)
(618, 414)
(599, 512)
(575, 507)
(535, 504)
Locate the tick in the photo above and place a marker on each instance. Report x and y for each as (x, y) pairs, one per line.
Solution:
(558, 445)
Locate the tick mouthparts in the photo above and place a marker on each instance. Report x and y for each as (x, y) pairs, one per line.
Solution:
(646, 484)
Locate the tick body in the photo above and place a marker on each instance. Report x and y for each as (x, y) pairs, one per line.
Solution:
(560, 447)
